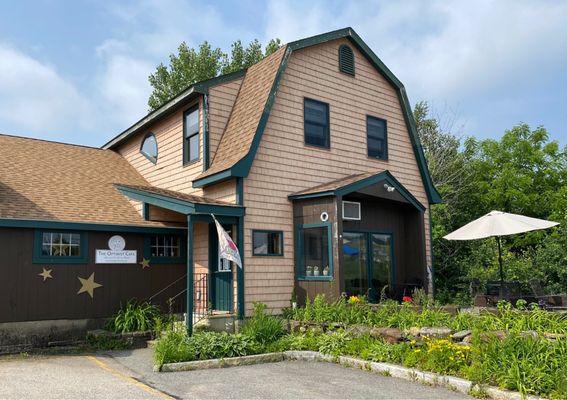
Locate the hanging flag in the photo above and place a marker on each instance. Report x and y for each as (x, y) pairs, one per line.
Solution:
(227, 248)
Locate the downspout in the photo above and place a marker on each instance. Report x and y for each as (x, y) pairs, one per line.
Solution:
(240, 244)
(206, 155)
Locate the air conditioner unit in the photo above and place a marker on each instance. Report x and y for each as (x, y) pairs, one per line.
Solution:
(351, 210)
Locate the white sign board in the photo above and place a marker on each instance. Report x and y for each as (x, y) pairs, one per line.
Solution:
(116, 253)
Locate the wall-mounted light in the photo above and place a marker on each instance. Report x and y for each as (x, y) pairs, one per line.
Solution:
(389, 188)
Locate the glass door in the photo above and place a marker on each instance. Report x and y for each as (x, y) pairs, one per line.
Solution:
(381, 265)
(355, 265)
(367, 264)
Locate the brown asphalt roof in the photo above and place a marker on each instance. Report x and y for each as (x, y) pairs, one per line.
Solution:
(178, 195)
(336, 184)
(42, 180)
(246, 113)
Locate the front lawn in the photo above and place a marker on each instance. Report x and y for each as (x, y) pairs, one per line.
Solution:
(522, 350)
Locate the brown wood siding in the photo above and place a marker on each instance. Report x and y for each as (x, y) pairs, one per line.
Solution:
(25, 297)
(284, 164)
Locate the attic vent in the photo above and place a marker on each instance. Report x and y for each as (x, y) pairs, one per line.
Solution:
(346, 60)
(351, 210)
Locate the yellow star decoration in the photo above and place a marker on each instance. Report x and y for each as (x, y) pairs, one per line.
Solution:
(145, 263)
(46, 274)
(88, 285)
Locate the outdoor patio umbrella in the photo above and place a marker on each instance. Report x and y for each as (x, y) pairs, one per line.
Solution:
(497, 224)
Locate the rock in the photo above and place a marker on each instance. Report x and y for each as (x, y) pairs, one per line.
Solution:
(467, 339)
(437, 333)
(294, 325)
(500, 335)
(459, 336)
(390, 335)
(554, 336)
(359, 330)
(525, 334)
(413, 331)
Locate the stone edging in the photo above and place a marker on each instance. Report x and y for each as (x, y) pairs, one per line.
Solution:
(397, 371)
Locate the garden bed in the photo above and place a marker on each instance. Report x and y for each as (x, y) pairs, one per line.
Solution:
(516, 349)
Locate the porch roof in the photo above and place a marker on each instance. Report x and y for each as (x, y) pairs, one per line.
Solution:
(356, 182)
(180, 202)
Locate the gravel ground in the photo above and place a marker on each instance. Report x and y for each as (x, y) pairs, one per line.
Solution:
(129, 375)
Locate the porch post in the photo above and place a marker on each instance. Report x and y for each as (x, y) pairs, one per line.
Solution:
(190, 276)
(240, 271)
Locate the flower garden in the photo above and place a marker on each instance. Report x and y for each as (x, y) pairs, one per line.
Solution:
(522, 349)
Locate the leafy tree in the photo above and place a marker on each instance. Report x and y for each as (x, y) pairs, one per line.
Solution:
(525, 173)
(190, 65)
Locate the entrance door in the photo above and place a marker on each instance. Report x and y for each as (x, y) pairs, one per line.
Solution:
(221, 273)
(367, 264)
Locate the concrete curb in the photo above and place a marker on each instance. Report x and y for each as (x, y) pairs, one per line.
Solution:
(222, 362)
(429, 378)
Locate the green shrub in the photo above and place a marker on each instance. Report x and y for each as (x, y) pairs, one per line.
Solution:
(135, 316)
(261, 327)
(176, 346)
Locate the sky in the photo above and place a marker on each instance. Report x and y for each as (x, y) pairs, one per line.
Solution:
(76, 71)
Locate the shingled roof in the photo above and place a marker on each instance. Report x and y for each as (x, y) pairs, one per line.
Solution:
(49, 181)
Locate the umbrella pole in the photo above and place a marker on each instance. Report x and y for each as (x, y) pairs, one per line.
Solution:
(500, 265)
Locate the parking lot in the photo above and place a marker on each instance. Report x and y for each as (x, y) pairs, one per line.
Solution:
(129, 375)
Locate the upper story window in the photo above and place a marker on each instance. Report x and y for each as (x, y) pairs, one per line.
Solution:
(60, 247)
(316, 123)
(377, 137)
(149, 147)
(191, 135)
(346, 60)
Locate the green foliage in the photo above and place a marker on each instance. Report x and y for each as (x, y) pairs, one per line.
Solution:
(191, 65)
(135, 316)
(261, 327)
(176, 346)
(524, 172)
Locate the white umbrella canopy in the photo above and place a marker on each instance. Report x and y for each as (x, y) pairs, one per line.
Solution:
(498, 223)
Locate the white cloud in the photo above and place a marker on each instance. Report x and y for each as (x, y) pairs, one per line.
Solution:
(34, 97)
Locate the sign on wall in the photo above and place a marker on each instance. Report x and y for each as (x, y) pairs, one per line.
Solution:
(115, 254)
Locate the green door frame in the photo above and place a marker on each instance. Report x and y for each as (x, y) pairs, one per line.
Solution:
(367, 234)
(218, 278)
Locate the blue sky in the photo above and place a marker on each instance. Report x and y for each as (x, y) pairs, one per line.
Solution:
(76, 71)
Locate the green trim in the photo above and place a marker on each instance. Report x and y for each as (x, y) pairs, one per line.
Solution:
(81, 226)
(178, 205)
(240, 271)
(38, 258)
(299, 251)
(184, 138)
(173, 105)
(269, 231)
(190, 277)
(150, 158)
(206, 154)
(240, 191)
(385, 176)
(242, 167)
(165, 260)
(146, 211)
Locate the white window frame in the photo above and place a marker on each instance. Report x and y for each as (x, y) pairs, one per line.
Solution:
(359, 211)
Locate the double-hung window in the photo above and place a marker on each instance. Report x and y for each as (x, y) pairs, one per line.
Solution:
(377, 137)
(316, 123)
(191, 135)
